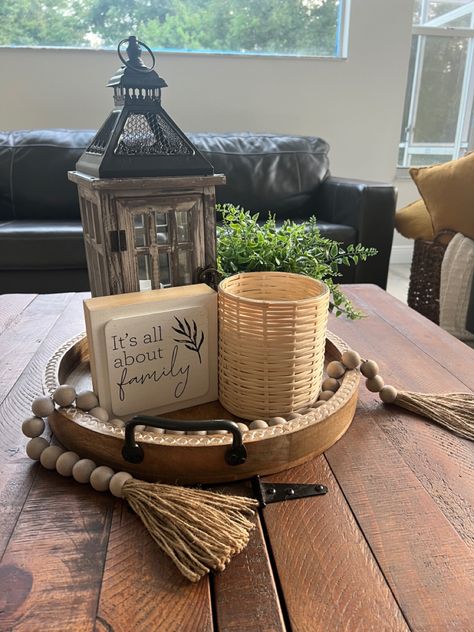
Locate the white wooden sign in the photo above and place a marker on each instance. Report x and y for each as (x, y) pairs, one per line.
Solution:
(154, 355)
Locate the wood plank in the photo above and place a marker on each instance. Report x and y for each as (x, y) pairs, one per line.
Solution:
(456, 357)
(52, 569)
(428, 567)
(19, 343)
(11, 306)
(328, 574)
(245, 594)
(443, 462)
(45, 330)
(142, 590)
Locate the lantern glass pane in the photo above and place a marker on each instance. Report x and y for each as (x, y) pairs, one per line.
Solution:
(182, 226)
(161, 224)
(185, 275)
(144, 271)
(139, 230)
(164, 266)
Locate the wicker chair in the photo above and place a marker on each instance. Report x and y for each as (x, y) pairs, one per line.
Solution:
(425, 275)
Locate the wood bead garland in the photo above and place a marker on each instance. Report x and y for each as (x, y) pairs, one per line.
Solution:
(258, 424)
(33, 427)
(50, 455)
(66, 462)
(454, 411)
(64, 395)
(388, 394)
(86, 400)
(82, 470)
(369, 368)
(374, 384)
(350, 359)
(42, 406)
(101, 477)
(173, 515)
(35, 447)
(335, 369)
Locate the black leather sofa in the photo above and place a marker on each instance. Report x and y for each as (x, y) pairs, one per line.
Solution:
(41, 244)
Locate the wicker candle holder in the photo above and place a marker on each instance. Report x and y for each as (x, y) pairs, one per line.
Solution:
(272, 332)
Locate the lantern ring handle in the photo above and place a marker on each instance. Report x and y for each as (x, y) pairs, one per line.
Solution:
(127, 61)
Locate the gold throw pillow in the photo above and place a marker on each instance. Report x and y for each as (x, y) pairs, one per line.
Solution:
(414, 221)
(448, 192)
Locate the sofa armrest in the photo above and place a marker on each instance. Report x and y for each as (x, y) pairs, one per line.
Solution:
(369, 207)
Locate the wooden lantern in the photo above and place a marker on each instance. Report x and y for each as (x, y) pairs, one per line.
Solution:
(147, 195)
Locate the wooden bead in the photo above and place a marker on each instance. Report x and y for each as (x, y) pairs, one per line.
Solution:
(175, 432)
(50, 456)
(140, 428)
(82, 470)
(66, 462)
(330, 384)
(64, 395)
(277, 421)
(160, 431)
(86, 400)
(100, 413)
(100, 478)
(117, 481)
(42, 406)
(258, 424)
(35, 447)
(218, 431)
(350, 359)
(292, 416)
(369, 368)
(325, 395)
(374, 384)
(243, 427)
(32, 427)
(388, 394)
(320, 403)
(335, 369)
(193, 432)
(117, 423)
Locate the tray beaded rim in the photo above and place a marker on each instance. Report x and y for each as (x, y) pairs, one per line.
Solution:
(311, 416)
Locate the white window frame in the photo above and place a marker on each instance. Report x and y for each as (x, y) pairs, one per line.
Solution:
(438, 28)
(342, 44)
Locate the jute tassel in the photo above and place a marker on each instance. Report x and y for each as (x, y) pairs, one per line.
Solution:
(199, 530)
(454, 411)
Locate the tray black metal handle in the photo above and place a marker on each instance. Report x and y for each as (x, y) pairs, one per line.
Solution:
(133, 452)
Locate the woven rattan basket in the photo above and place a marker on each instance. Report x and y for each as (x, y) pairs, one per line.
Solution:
(425, 275)
(272, 331)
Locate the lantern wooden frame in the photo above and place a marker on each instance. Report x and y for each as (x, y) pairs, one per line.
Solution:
(117, 245)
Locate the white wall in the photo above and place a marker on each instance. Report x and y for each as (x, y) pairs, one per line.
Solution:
(355, 104)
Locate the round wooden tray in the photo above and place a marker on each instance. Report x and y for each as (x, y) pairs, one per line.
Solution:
(192, 458)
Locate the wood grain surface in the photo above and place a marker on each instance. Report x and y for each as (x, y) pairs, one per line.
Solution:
(330, 579)
(389, 548)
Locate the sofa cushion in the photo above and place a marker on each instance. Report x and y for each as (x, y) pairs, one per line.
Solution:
(33, 173)
(266, 172)
(46, 244)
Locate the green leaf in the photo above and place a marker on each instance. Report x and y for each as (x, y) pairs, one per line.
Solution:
(244, 245)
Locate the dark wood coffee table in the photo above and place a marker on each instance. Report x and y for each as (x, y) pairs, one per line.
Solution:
(390, 547)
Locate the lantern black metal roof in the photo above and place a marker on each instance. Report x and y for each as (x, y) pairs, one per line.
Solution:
(139, 139)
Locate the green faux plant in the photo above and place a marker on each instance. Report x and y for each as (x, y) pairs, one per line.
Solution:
(245, 245)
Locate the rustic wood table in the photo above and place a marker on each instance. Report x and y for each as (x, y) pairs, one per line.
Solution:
(390, 547)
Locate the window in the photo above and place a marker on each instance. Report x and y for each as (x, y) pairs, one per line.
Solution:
(438, 117)
(275, 27)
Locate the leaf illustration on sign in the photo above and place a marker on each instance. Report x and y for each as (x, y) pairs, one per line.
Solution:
(191, 335)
